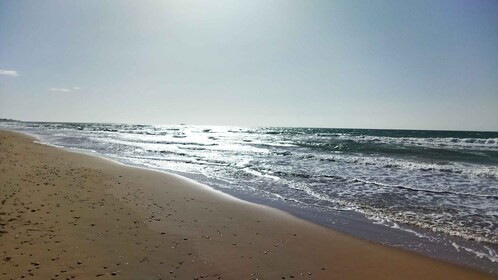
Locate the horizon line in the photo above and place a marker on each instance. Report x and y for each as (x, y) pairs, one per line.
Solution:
(246, 126)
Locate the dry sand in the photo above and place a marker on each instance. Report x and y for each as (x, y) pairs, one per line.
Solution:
(66, 215)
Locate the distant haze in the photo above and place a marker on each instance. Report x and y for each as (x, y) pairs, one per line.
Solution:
(359, 64)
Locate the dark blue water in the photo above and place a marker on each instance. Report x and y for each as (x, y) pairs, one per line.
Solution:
(430, 184)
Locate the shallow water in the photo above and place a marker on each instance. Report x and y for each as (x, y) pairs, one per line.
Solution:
(434, 186)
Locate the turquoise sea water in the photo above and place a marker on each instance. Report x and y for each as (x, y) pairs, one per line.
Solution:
(429, 184)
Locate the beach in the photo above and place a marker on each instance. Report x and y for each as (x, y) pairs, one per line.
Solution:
(66, 215)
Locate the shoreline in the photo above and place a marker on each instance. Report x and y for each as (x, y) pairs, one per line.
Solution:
(166, 226)
(436, 245)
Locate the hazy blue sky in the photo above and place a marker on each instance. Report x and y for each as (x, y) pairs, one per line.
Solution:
(373, 64)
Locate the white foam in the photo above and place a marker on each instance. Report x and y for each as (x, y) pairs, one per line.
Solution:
(487, 144)
(453, 167)
(491, 254)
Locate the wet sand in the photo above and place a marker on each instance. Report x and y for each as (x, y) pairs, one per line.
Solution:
(66, 215)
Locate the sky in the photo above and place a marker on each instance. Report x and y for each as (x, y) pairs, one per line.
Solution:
(357, 64)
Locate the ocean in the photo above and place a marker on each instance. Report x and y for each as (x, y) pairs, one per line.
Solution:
(433, 192)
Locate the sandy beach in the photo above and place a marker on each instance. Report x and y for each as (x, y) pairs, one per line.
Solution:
(67, 215)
